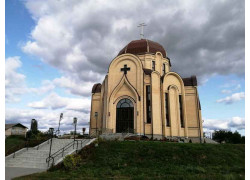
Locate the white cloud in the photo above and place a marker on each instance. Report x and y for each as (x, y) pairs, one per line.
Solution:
(237, 123)
(226, 91)
(238, 86)
(46, 86)
(233, 88)
(74, 87)
(215, 124)
(54, 101)
(14, 81)
(47, 118)
(81, 38)
(233, 98)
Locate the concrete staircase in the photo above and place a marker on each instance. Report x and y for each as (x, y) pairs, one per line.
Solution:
(36, 157)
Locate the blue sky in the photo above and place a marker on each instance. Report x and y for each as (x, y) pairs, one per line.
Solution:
(208, 97)
(52, 67)
(18, 25)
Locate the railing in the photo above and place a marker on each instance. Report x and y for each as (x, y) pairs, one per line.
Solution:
(27, 144)
(15, 148)
(62, 150)
(41, 143)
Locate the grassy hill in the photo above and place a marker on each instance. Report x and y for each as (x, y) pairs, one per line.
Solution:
(14, 143)
(155, 160)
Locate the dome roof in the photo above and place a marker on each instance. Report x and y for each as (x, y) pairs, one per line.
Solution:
(96, 88)
(143, 46)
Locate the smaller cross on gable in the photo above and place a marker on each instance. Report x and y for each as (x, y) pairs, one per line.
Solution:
(125, 69)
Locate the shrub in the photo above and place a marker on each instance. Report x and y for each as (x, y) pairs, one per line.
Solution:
(71, 161)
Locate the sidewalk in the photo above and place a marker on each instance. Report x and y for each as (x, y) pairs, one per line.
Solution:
(11, 172)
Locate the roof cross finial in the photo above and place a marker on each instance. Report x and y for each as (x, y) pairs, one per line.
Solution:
(141, 26)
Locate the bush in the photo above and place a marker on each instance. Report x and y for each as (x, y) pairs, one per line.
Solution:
(71, 161)
(37, 136)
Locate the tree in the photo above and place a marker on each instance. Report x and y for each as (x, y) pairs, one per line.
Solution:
(228, 137)
(235, 138)
(219, 136)
(242, 141)
(33, 126)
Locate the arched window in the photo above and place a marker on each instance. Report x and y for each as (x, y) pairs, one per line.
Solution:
(123, 103)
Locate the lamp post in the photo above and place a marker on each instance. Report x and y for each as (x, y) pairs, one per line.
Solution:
(61, 117)
(83, 131)
(96, 116)
(51, 131)
(75, 122)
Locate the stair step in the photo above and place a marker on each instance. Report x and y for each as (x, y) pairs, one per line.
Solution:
(36, 158)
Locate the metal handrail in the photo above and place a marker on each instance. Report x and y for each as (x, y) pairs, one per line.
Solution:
(27, 144)
(55, 154)
(23, 145)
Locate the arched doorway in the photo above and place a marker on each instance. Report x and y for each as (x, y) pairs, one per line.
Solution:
(125, 116)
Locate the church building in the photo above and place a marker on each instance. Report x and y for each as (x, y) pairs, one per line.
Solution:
(141, 95)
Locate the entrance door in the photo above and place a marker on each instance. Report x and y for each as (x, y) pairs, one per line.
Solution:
(125, 116)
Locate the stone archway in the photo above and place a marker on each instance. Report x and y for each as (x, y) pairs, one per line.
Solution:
(125, 116)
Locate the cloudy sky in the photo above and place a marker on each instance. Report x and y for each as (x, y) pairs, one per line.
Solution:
(57, 49)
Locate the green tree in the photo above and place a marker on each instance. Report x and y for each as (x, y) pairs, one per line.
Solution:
(235, 138)
(242, 141)
(228, 137)
(33, 126)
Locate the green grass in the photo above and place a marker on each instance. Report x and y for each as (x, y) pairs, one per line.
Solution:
(15, 143)
(12, 143)
(155, 160)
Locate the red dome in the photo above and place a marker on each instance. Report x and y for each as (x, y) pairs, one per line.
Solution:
(143, 46)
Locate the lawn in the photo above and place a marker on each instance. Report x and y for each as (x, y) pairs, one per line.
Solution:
(13, 143)
(155, 160)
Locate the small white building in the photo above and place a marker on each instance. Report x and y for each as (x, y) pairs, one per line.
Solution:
(15, 129)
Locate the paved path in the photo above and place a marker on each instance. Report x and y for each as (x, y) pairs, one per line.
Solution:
(11, 172)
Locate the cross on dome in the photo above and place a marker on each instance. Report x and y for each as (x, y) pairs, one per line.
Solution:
(141, 26)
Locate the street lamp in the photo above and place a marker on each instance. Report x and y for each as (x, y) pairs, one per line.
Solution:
(61, 117)
(51, 131)
(75, 122)
(96, 115)
(83, 131)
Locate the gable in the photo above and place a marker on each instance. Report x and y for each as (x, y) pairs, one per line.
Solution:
(8, 126)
